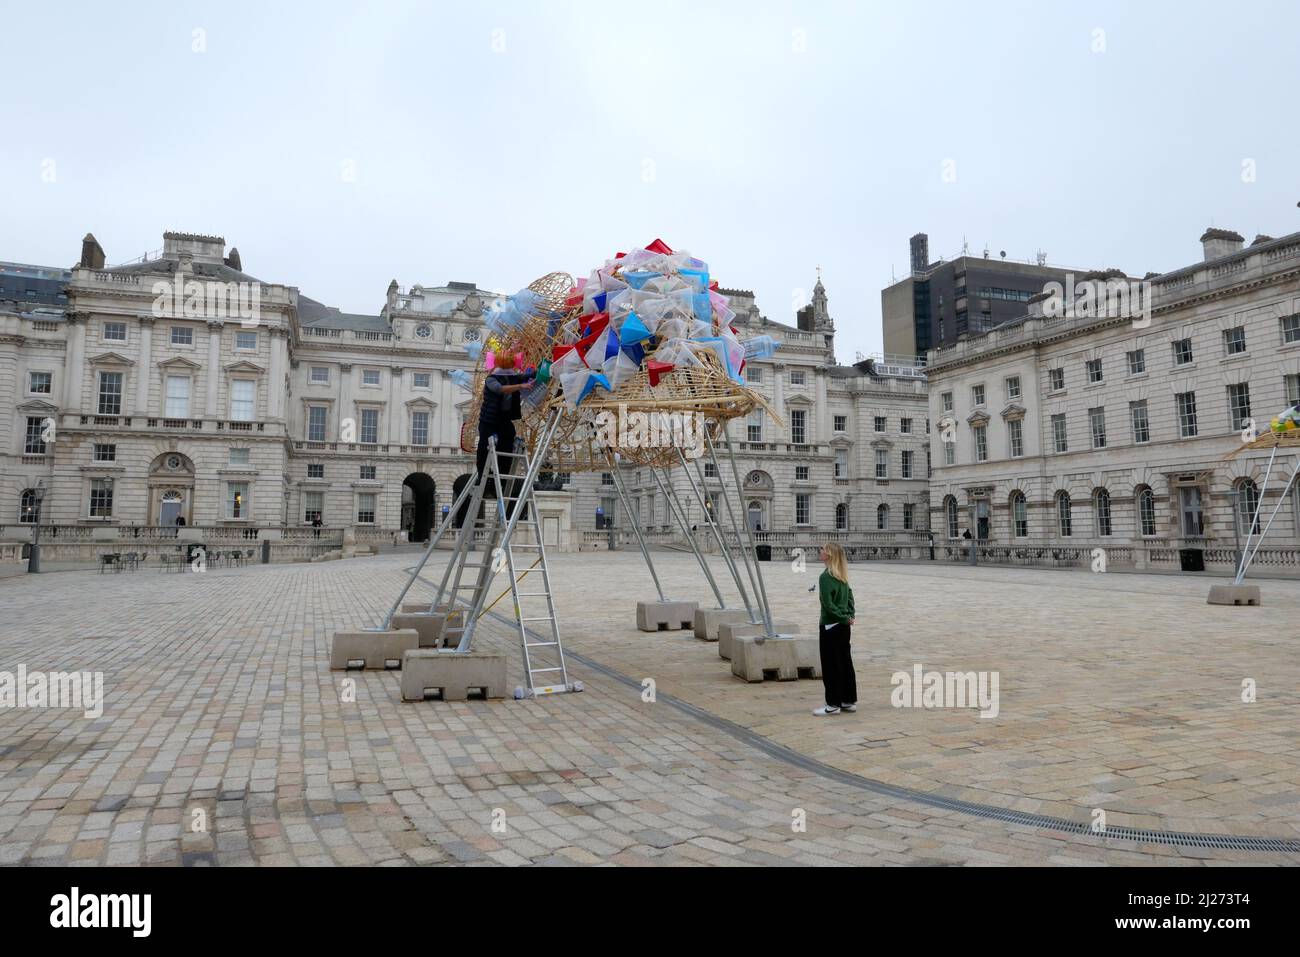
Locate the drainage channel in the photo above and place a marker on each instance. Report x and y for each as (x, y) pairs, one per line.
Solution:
(789, 756)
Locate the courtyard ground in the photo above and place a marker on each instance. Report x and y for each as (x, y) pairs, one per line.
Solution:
(1117, 692)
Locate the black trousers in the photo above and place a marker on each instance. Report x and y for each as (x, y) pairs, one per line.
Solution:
(837, 665)
(505, 433)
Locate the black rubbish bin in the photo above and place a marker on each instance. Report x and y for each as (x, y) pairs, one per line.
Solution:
(764, 552)
(1192, 559)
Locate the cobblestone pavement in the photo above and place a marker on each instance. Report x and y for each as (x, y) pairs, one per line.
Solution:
(1120, 692)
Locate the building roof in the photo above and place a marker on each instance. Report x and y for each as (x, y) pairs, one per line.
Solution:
(38, 285)
(320, 316)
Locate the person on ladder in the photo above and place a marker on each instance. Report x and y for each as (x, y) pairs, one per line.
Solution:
(500, 410)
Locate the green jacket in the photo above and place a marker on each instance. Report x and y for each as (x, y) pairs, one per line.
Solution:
(837, 599)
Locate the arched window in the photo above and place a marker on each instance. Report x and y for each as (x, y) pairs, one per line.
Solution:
(882, 517)
(950, 514)
(1019, 515)
(841, 518)
(29, 510)
(1146, 511)
(1101, 508)
(1247, 503)
(1063, 523)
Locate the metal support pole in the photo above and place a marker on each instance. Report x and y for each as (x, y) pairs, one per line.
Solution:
(717, 534)
(671, 498)
(627, 508)
(745, 555)
(1268, 471)
(433, 542)
(1248, 559)
(749, 535)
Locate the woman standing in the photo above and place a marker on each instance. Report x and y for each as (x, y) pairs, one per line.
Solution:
(834, 633)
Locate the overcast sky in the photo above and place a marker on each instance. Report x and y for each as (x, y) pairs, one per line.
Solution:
(342, 145)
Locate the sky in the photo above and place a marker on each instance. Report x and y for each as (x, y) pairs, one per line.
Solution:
(343, 145)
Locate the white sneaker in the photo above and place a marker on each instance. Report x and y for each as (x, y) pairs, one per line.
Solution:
(850, 708)
(824, 710)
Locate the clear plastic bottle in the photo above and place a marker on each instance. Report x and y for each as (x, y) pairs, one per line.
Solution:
(760, 347)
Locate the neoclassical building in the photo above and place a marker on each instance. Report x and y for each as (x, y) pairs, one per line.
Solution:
(182, 386)
(1113, 430)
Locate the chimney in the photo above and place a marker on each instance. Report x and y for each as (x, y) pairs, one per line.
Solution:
(92, 253)
(920, 252)
(1220, 242)
(232, 260)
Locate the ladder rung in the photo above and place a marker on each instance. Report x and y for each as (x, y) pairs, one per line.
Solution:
(542, 644)
(542, 618)
(538, 671)
(533, 594)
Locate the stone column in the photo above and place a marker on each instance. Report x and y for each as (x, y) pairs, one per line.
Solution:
(778, 395)
(821, 428)
(214, 368)
(74, 362)
(144, 370)
(395, 406)
(275, 390)
(345, 402)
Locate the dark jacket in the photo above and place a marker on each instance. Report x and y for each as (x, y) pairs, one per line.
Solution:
(837, 599)
(498, 409)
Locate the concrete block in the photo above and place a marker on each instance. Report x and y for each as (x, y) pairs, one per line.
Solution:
(425, 671)
(776, 657)
(1234, 595)
(375, 648)
(729, 631)
(707, 621)
(429, 627)
(665, 615)
(809, 655)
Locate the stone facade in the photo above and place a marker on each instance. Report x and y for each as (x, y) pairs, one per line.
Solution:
(134, 404)
(1114, 430)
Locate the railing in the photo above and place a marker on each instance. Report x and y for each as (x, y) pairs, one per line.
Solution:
(143, 422)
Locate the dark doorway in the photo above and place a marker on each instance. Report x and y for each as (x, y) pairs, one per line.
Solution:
(418, 495)
(456, 488)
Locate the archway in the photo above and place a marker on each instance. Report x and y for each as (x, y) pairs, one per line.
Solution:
(418, 496)
(456, 488)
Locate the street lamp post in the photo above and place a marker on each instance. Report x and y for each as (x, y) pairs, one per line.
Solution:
(34, 555)
(1236, 522)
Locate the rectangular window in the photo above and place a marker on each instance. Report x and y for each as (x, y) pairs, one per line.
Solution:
(905, 426)
(1292, 385)
(909, 516)
(841, 423)
(753, 374)
(1094, 370)
(1013, 387)
(40, 383)
(101, 498)
(1060, 441)
(1015, 438)
(115, 332)
(1019, 515)
(315, 470)
(977, 395)
(801, 473)
(312, 505)
(981, 443)
(419, 428)
(105, 452)
(1055, 380)
(841, 463)
(797, 377)
(239, 457)
(906, 468)
(420, 380)
(1186, 404)
(237, 500)
(320, 375)
(316, 419)
(754, 428)
(366, 508)
(1239, 404)
(369, 426)
(1189, 502)
(798, 430)
(1097, 423)
(110, 393)
(182, 336)
(607, 478)
(882, 464)
(802, 509)
(245, 340)
(242, 399)
(367, 473)
(1291, 328)
(1137, 414)
(1137, 362)
(177, 405)
(35, 441)
(370, 377)
(949, 453)
(946, 401)
(880, 424)
(1182, 351)
(1234, 341)
(710, 470)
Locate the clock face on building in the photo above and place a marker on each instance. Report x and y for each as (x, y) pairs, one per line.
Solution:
(424, 330)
